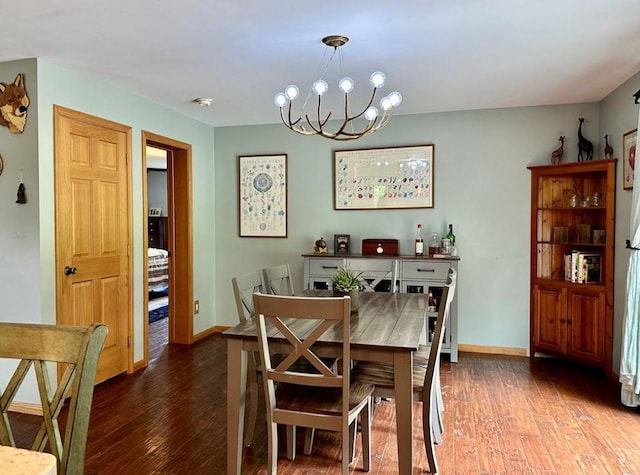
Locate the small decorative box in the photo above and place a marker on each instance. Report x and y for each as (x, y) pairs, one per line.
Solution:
(387, 247)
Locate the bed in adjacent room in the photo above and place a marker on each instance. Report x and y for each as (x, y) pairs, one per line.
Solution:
(158, 262)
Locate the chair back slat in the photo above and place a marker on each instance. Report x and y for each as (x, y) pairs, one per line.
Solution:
(278, 280)
(77, 350)
(243, 288)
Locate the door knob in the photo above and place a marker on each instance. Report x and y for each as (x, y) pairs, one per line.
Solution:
(70, 270)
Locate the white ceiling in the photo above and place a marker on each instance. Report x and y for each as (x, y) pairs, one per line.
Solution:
(442, 55)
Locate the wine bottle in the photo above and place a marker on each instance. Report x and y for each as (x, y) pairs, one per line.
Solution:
(419, 241)
(450, 236)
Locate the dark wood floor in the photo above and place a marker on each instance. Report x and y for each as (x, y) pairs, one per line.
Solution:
(505, 415)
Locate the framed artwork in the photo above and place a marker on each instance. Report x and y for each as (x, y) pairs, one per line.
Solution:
(628, 158)
(341, 243)
(155, 211)
(383, 178)
(262, 199)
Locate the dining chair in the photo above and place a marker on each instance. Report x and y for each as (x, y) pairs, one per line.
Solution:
(244, 286)
(76, 351)
(426, 375)
(278, 280)
(322, 399)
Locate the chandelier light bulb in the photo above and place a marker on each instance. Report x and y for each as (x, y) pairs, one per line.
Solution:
(396, 98)
(371, 113)
(377, 79)
(320, 87)
(280, 99)
(291, 92)
(385, 104)
(346, 85)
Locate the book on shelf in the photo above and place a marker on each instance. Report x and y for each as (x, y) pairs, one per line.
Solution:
(583, 267)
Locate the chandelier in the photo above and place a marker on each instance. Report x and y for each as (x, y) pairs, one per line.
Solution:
(367, 121)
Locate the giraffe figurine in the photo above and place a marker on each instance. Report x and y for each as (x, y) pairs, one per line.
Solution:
(585, 148)
(608, 149)
(556, 155)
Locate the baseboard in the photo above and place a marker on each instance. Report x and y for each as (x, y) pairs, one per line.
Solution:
(26, 408)
(494, 350)
(138, 365)
(208, 332)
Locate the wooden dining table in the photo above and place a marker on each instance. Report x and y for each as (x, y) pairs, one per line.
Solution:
(387, 328)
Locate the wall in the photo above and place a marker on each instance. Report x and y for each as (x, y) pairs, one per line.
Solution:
(481, 186)
(157, 190)
(27, 236)
(19, 239)
(618, 115)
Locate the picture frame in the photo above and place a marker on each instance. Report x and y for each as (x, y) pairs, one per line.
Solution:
(262, 196)
(155, 212)
(341, 243)
(384, 178)
(628, 158)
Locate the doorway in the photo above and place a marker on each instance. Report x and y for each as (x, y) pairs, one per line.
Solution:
(177, 236)
(157, 249)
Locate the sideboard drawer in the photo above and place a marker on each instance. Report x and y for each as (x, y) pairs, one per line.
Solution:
(426, 270)
(323, 266)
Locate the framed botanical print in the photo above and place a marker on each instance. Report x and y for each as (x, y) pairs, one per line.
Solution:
(628, 158)
(384, 178)
(262, 200)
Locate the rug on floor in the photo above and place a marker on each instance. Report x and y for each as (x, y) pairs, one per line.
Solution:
(158, 314)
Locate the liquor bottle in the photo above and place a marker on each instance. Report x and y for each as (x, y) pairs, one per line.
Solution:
(450, 236)
(419, 241)
(434, 244)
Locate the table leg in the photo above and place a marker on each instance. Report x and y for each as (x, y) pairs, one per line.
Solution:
(236, 388)
(402, 369)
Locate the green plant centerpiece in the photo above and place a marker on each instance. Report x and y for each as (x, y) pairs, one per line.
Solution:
(347, 282)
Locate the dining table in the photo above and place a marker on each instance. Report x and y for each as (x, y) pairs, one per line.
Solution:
(16, 461)
(386, 328)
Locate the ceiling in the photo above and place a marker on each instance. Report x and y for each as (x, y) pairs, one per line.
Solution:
(441, 55)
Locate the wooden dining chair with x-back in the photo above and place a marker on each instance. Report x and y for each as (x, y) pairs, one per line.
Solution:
(426, 375)
(76, 351)
(322, 398)
(244, 286)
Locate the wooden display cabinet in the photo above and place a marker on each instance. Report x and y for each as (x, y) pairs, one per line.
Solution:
(569, 318)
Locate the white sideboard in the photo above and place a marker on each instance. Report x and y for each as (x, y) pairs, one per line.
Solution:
(412, 275)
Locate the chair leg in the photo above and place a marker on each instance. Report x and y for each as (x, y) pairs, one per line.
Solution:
(366, 416)
(309, 434)
(346, 448)
(272, 448)
(291, 442)
(352, 440)
(427, 430)
(252, 401)
(435, 421)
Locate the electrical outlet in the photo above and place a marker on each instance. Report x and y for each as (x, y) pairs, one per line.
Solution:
(196, 307)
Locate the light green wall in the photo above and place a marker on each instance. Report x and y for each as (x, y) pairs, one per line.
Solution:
(19, 240)
(618, 115)
(481, 186)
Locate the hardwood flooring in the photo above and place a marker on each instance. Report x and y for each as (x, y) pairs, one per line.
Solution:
(504, 415)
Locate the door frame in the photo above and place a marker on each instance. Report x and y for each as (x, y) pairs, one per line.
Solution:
(180, 234)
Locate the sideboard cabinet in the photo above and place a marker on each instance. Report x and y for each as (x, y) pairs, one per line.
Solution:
(572, 255)
(383, 273)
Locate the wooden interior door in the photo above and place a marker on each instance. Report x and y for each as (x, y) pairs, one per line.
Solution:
(92, 230)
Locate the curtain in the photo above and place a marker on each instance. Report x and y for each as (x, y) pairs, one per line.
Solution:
(630, 354)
